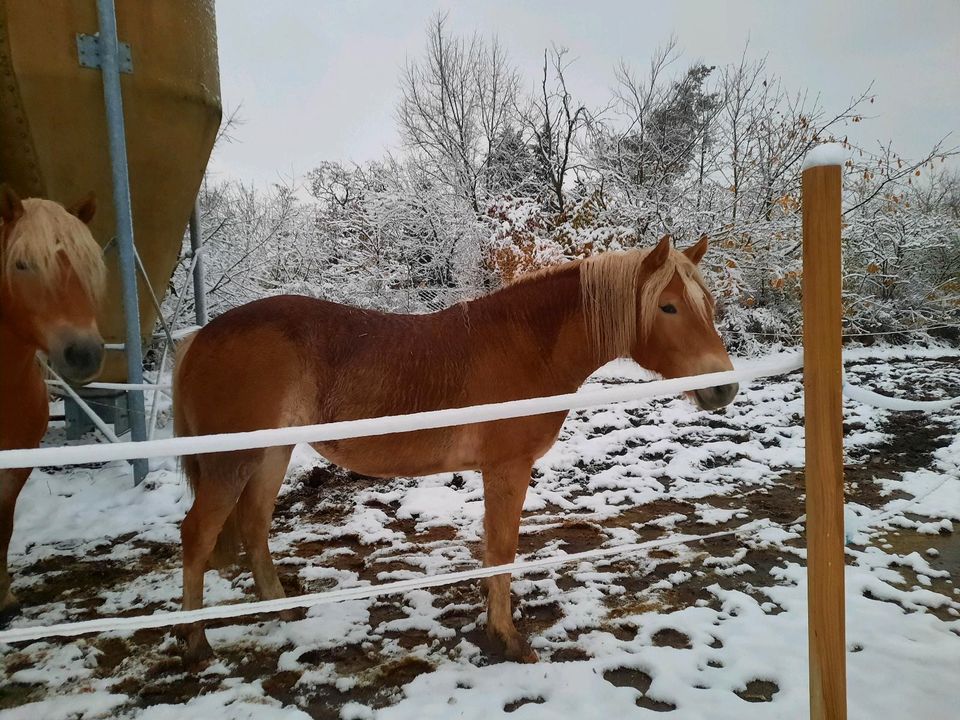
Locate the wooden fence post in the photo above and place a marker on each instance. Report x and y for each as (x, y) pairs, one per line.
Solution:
(822, 376)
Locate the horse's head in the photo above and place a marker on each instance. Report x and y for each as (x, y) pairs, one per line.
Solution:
(676, 335)
(51, 278)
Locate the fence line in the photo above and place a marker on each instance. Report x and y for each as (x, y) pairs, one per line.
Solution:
(406, 423)
(80, 454)
(885, 402)
(165, 389)
(388, 425)
(879, 333)
(82, 403)
(220, 612)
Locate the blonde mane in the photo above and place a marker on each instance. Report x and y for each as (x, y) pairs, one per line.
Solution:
(39, 236)
(610, 283)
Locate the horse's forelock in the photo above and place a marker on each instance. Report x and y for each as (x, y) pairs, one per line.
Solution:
(694, 290)
(39, 237)
(610, 283)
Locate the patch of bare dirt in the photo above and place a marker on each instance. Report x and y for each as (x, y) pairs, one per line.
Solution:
(759, 691)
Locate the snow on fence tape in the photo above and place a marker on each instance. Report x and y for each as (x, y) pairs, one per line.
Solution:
(218, 612)
(80, 454)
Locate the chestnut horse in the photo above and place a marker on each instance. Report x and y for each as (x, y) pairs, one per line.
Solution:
(295, 360)
(51, 277)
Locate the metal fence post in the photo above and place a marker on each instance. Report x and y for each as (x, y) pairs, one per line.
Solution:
(112, 95)
(199, 290)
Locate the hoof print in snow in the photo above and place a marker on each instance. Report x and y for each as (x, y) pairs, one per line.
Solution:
(668, 637)
(280, 686)
(649, 703)
(541, 616)
(758, 691)
(569, 654)
(628, 677)
(404, 671)
(517, 704)
(662, 553)
(624, 633)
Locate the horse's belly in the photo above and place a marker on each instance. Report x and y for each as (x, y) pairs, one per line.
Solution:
(419, 453)
(427, 452)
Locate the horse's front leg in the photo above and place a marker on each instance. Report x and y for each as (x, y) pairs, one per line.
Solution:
(11, 483)
(504, 488)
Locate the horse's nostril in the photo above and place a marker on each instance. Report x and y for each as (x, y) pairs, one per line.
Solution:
(727, 391)
(84, 357)
(74, 355)
(717, 396)
(724, 394)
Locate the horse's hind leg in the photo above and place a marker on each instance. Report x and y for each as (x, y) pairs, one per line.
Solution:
(220, 480)
(11, 483)
(255, 513)
(503, 491)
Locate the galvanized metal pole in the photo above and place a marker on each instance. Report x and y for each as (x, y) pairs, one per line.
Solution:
(199, 289)
(116, 132)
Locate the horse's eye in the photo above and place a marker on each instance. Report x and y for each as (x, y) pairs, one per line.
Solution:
(669, 309)
(21, 265)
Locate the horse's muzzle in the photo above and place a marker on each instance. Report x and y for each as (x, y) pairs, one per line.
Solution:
(716, 397)
(79, 360)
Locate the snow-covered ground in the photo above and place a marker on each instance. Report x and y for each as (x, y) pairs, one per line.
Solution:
(707, 629)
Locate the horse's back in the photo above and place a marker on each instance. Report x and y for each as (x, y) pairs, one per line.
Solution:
(289, 360)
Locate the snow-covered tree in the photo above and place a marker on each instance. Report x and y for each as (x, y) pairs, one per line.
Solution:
(493, 181)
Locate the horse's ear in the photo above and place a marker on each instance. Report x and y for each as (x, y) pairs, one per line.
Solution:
(658, 256)
(11, 209)
(85, 209)
(696, 252)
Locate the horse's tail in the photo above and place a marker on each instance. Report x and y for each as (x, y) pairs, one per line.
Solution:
(181, 427)
(227, 550)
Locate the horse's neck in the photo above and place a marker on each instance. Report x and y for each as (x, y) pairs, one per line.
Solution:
(18, 359)
(545, 317)
(23, 394)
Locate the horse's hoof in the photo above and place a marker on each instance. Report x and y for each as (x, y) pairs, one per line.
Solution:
(8, 613)
(196, 648)
(516, 648)
(521, 652)
(197, 653)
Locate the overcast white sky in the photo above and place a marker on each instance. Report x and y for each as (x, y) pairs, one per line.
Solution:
(318, 79)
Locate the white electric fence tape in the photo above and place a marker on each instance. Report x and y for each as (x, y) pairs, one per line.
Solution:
(217, 612)
(166, 389)
(868, 397)
(393, 424)
(80, 454)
